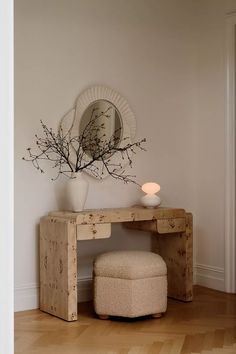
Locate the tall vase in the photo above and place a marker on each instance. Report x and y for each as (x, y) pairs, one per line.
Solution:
(77, 191)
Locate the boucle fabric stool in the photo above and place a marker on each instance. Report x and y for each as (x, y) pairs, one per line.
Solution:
(130, 284)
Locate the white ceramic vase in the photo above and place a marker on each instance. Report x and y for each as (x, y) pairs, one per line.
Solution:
(77, 191)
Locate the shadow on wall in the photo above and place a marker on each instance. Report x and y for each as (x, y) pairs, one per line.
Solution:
(120, 239)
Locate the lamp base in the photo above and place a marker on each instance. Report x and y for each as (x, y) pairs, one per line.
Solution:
(150, 200)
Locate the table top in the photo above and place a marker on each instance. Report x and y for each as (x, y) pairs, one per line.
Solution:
(112, 215)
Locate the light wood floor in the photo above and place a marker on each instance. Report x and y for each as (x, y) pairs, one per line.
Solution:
(207, 325)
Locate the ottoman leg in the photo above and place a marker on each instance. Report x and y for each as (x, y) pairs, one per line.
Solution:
(157, 315)
(103, 317)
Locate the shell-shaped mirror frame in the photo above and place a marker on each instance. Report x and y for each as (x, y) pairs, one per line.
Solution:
(71, 121)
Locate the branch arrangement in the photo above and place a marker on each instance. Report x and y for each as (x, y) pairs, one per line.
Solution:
(68, 153)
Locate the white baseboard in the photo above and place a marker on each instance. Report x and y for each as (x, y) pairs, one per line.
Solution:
(210, 277)
(27, 296)
(85, 289)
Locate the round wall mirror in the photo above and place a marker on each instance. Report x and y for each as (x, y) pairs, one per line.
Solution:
(104, 116)
(102, 124)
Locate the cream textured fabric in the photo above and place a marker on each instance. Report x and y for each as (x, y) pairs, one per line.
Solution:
(129, 265)
(122, 289)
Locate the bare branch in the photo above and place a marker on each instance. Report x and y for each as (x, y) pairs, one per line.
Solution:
(57, 148)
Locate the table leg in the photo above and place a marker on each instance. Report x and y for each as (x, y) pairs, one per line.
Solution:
(177, 251)
(58, 267)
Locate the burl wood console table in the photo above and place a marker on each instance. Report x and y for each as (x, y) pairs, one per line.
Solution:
(59, 232)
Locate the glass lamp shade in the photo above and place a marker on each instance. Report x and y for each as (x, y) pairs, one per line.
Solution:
(150, 188)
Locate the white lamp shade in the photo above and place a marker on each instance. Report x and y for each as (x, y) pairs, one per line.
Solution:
(150, 188)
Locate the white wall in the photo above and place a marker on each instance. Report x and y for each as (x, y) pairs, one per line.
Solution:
(167, 58)
(210, 139)
(144, 50)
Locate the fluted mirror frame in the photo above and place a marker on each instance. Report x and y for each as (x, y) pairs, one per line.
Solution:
(72, 120)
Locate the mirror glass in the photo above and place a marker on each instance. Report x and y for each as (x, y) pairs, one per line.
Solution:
(100, 125)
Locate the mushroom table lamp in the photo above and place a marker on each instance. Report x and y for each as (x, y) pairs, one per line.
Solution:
(150, 200)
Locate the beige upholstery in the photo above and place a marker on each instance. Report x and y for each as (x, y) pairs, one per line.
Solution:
(130, 284)
(129, 265)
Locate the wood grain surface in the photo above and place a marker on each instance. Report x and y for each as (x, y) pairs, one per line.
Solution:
(205, 326)
(58, 268)
(59, 232)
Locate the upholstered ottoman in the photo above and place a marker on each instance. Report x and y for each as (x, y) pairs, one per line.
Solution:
(130, 284)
